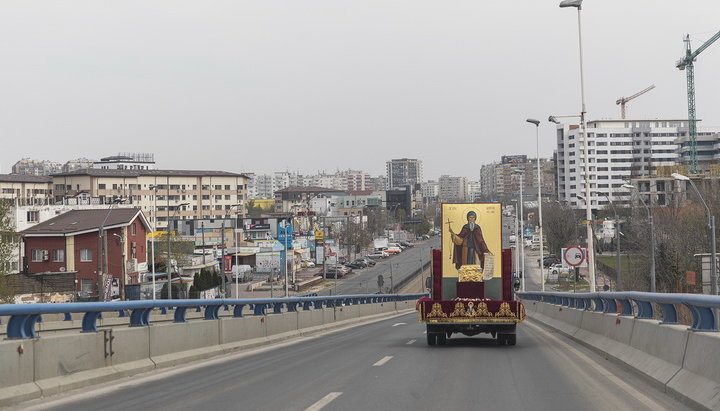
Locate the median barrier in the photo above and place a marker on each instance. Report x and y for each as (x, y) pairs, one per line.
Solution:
(68, 359)
(679, 359)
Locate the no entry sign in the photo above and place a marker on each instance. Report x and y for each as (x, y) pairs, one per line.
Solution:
(573, 256)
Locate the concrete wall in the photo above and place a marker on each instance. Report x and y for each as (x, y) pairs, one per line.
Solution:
(683, 362)
(68, 359)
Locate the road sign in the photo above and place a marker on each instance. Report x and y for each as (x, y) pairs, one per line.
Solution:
(573, 256)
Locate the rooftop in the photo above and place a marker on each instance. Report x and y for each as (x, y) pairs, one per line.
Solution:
(75, 221)
(23, 178)
(308, 189)
(97, 172)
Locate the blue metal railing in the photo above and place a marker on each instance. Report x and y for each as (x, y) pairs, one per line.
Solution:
(23, 317)
(703, 307)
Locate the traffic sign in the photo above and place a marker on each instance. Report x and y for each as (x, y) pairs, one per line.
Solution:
(573, 256)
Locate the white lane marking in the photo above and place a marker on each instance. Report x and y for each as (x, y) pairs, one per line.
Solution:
(383, 361)
(323, 401)
(410, 342)
(649, 402)
(396, 324)
(425, 332)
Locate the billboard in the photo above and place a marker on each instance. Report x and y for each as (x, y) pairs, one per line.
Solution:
(519, 159)
(471, 234)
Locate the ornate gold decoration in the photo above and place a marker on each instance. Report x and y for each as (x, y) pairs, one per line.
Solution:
(471, 273)
(505, 311)
(459, 310)
(482, 310)
(436, 311)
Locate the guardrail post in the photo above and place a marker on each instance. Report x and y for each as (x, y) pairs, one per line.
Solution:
(610, 305)
(238, 310)
(703, 318)
(669, 313)
(599, 304)
(277, 308)
(68, 317)
(211, 312)
(89, 321)
(626, 307)
(259, 309)
(645, 309)
(180, 314)
(292, 307)
(139, 317)
(306, 305)
(22, 326)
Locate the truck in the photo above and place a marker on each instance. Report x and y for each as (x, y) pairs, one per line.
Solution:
(472, 288)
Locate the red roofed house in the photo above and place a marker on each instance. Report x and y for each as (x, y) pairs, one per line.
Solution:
(71, 242)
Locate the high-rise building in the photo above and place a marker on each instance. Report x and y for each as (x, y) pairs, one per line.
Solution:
(453, 189)
(618, 150)
(474, 194)
(77, 164)
(403, 172)
(501, 181)
(31, 167)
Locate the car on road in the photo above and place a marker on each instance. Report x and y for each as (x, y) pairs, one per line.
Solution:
(406, 244)
(550, 260)
(307, 264)
(393, 250)
(378, 255)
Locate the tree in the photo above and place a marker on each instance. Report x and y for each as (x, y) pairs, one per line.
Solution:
(180, 250)
(560, 226)
(253, 210)
(8, 243)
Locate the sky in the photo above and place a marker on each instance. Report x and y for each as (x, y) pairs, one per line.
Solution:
(321, 85)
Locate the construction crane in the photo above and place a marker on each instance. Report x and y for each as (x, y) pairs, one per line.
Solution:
(686, 63)
(623, 100)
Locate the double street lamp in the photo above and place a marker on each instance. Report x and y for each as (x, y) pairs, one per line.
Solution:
(653, 286)
(588, 212)
(167, 263)
(711, 226)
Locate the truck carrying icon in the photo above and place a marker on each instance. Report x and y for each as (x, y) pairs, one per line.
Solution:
(472, 283)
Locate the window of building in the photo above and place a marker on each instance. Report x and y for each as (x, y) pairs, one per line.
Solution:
(33, 216)
(38, 255)
(133, 229)
(101, 186)
(59, 255)
(218, 187)
(86, 255)
(205, 197)
(133, 249)
(86, 285)
(218, 197)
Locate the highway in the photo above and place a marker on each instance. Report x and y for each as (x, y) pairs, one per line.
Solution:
(384, 365)
(403, 265)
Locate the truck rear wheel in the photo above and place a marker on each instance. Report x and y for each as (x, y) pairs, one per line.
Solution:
(432, 338)
(441, 339)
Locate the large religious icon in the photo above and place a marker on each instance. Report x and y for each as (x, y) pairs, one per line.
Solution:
(471, 238)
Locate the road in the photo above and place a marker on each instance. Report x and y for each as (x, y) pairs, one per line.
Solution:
(385, 365)
(403, 265)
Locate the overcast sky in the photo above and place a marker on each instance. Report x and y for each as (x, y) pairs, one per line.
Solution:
(312, 85)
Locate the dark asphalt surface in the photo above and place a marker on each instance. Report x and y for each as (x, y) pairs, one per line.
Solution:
(405, 264)
(542, 372)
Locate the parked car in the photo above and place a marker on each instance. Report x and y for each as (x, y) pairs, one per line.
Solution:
(559, 269)
(406, 244)
(356, 264)
(369, 261)
(551, 260)
(307, 264)
(378, 255)
(393, 250)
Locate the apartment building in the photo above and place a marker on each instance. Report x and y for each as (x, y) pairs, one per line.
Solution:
(127, 161)
(618, 150)
(453, 189)
(24, 189)
(32, 167)
(403, 172)
(208, 194)
(501, 180)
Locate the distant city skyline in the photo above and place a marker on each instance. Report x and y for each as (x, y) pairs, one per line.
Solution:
(318, 85)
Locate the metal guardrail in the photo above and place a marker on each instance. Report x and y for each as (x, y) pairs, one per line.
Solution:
(703, 307)
(24, 317)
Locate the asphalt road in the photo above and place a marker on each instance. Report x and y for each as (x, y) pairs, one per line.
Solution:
(385, 366)
(403, 265)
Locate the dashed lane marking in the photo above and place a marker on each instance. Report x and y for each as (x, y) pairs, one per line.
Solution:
(383, 361)
(323, 401)
(410, 342)
(396, 324)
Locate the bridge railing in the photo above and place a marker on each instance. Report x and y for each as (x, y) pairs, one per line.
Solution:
(24, 317)
(639, 304)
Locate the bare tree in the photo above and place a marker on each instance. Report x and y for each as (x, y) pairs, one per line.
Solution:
(560, 226)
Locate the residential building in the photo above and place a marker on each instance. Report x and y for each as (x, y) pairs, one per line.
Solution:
(25, 189)
(500, 181)
(474, 193)
(355, 180)
(127, 161)
(376, 183)
(707, 148)
(618, 151)
(453, 189)
(77, 164)
(430, 190)
(71, 243)
(294, 199)
(32, 167)
(208, 194)
(403, 171)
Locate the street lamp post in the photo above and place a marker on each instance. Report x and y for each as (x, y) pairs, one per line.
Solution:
(652, 239)
(167, 263)
(237, 274)
(588, 212)
(539, 187)
(522, 236)
(711, 225)
(152, 243)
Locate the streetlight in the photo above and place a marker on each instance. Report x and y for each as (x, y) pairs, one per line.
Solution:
(618, 275)
(153, 187)
(539, 186)
(167, 263)
(522, 235)
(237, 274)
(588, 212)
(652, 237)
(711, 225)
(103, 263)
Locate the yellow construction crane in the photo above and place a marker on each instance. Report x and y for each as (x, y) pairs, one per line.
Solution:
(623, 100)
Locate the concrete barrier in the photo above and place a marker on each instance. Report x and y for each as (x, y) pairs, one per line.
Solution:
(680, 361)
(118, 351)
